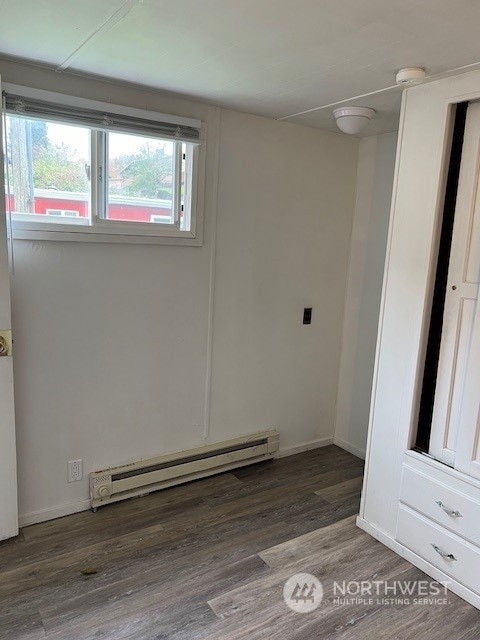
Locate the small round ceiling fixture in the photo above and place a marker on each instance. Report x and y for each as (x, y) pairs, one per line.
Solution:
(411, 75)
(352, 120)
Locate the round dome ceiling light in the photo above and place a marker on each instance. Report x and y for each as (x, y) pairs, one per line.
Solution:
(352, 120)
(412, 75)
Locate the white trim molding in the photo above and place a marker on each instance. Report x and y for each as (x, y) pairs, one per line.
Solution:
(343, 444)
(34, 517)
(306, 446)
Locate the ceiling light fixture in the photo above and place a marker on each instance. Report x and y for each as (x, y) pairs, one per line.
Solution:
(411, 75)
(352, 120)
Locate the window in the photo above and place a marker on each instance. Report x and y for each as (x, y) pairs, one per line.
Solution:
(86, 171)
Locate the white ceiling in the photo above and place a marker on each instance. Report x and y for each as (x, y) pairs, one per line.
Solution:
(275, 58)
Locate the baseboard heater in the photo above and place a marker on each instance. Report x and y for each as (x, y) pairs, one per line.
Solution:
(138, 478)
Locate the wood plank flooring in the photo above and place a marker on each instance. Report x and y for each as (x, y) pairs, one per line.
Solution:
(208, 560)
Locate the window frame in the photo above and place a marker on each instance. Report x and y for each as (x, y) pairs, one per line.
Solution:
(101, 229)
(61, 213)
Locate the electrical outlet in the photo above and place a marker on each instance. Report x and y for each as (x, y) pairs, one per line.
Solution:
(307, 315)
(75, 470)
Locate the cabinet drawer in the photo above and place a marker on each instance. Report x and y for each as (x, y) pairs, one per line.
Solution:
(456, 511)
(420, 535)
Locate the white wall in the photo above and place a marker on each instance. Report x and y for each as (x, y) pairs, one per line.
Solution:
(116, 345)
(376, 162)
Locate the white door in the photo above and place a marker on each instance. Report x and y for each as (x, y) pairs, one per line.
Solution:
(461, 299)
(467, 458)
(8, 466)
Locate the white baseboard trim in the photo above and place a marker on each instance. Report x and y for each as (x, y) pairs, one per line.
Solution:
(43, 515)
(343, 444)
(306, 446)
(26, 519)
(454, 586)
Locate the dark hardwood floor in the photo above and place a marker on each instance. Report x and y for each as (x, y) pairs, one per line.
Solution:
(208, 560)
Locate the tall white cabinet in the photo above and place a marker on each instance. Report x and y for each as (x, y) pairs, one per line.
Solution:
(426, 505)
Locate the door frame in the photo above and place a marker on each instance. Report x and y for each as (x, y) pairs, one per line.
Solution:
(8, 450)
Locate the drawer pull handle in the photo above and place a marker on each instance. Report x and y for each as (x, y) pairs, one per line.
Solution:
(447, 556)
(451, 512)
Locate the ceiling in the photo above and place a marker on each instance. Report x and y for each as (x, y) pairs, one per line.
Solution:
(289, 59)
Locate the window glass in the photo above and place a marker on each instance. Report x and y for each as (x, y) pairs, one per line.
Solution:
(48, 166)
(69, 165)
(141, 179)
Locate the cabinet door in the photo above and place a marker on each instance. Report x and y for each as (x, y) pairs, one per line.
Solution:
(467, 458)
(461, 298)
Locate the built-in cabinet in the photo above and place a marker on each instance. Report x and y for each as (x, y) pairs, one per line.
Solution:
(421, 494)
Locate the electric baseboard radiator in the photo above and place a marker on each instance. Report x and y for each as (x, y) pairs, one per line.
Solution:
(139, 478)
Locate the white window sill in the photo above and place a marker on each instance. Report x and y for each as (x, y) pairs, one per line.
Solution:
(81, 233)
